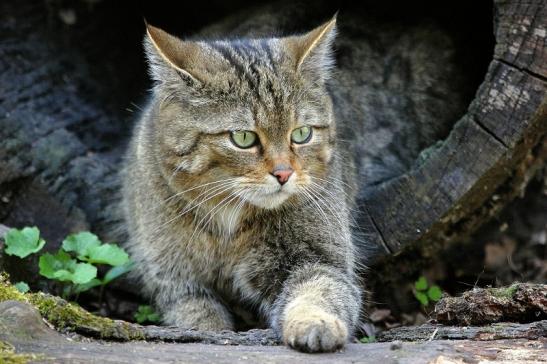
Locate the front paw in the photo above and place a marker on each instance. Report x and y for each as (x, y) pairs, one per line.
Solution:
(310, 329)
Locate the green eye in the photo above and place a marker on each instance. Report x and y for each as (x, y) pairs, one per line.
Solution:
(244, 139)
(301, 135)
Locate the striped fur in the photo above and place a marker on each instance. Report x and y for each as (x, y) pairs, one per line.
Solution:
(211, 230)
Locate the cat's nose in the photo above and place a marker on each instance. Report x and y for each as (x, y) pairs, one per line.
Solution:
(282, 173)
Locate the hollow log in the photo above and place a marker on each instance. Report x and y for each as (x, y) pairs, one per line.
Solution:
(66, 79)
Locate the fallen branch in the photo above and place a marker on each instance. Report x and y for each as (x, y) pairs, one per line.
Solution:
(497, 331)
(520, 302)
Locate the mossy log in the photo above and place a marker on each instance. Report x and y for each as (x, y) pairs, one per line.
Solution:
(70, 318)
(520, 302)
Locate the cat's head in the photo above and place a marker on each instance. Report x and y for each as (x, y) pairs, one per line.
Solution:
(243, 119)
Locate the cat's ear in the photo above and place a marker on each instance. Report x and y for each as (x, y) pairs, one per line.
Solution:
(170, 57)
(311, 52)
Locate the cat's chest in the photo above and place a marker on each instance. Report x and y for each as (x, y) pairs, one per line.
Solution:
(227, 220)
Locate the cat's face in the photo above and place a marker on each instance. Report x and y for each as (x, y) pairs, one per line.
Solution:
(246, 120)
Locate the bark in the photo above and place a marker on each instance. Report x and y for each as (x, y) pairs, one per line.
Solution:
(499, 331)
(521, 302)
(492, 151)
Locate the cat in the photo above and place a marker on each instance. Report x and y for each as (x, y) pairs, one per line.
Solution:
(236, 193)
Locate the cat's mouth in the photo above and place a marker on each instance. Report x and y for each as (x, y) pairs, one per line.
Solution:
(269, 200)
(270, 194)
(268, 197)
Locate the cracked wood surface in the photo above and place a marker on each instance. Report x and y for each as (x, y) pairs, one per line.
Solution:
(497, 331)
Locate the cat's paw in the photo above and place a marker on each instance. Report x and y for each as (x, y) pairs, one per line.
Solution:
(311, 329)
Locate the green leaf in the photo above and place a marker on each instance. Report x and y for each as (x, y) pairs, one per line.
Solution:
(115, 272)
(146, 313)
(63, 268)
(24, 242)
(154, 317)
(49, 264)
(22, 287)
(79, 288)
(422, 297)
(421, 284)
(434, 293)
(83, 273)
(108, 254)
(368, 339)
(81, 243)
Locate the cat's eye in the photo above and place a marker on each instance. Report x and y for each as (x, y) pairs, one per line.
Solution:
(244, 139)
(301, 135)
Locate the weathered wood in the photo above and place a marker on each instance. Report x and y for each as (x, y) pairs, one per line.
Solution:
(25, 335)
(521, 302)
(488, 157)
(521, 33)
(498, 331)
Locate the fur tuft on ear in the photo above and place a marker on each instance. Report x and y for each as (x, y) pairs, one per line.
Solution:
(312, 51)
(169, 57)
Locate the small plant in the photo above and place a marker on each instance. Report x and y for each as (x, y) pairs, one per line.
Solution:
(24, 242)
(368, 339)
(22, 287)
(146, 313)
(75, 264)
(425, 293)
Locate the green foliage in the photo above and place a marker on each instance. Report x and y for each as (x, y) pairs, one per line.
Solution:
(425, 293)
(65, 269)
(89, 249)
(421, 284)
(422, 297)
(81, 243)
(22, 287)
(24, 242)
(146, 313)
(368, 339)
(434, 293)
(75, 264)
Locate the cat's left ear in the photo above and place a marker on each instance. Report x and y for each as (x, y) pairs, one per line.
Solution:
(168, 55)
(312, 51)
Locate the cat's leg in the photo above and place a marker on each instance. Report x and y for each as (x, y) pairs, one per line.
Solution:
(201, 312)
(317, 309)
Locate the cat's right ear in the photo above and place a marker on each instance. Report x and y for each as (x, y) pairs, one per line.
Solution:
(169, 57)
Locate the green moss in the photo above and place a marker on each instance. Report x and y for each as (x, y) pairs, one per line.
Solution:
(64, 315)
(70, 316)
(9, 292)
(504, 292)
(8, 355)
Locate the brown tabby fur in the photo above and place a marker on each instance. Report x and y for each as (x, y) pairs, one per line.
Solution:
(211, 230)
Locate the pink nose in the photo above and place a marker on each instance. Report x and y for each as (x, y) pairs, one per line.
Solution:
(282, 173)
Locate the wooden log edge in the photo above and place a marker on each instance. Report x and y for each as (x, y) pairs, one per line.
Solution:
(489, 156)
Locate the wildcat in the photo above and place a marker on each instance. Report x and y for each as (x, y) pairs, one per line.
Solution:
(236, 193)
